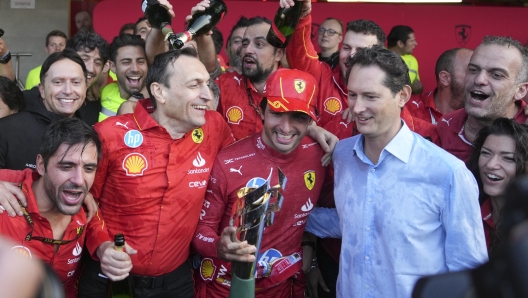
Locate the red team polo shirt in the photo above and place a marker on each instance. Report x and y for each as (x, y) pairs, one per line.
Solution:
(151, 187)
(451, 131)
(65, 261)
(489, 225)
(248, 163)
(238, 103)
(332, 94)
(423, 106)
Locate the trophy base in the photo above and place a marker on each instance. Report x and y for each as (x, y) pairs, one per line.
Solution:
(242, 288)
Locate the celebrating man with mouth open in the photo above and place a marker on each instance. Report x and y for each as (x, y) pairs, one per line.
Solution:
(496, 81)
(129, 62)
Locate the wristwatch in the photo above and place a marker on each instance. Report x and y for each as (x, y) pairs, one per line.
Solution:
(6, 58)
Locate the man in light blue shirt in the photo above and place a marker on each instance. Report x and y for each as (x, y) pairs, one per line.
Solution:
(405, 207)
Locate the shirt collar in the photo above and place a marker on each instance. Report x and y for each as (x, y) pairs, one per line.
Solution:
(400, 146)
(143, 119)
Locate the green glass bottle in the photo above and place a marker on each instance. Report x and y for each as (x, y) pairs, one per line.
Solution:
(284, 25)
(122, 288)
(202, 22)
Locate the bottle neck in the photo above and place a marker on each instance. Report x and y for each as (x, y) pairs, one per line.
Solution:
(119, 248)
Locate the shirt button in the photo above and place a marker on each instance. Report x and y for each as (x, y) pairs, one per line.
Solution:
(366, 258)
(367, 287)
(373, 170)
(367, 229)
(369, 199)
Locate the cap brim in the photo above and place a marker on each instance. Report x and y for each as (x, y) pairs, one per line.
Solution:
(277, 104)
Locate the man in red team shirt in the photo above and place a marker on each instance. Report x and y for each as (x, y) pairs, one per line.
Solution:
(288, 109)
(449, 94)
(54, 226)
(153, 174)
(332, 94)
(495, 83)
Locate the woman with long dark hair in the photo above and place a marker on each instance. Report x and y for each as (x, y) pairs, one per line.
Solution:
(500, 155)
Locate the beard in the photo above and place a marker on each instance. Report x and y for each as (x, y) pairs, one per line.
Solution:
(258, 74)
(458, 95)
(54, 195)
(235, 59)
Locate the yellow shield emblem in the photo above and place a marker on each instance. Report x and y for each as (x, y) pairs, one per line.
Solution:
(197, 135)
(300, 85)
(309, 179)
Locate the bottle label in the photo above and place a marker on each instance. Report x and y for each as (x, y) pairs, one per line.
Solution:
(277, 32)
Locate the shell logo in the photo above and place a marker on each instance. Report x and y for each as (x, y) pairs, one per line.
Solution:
(135, 164)
(234, 115)
(332, 105)
(22, 250)
(207, 269)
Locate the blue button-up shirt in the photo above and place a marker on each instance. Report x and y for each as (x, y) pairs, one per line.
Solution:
(414, 213)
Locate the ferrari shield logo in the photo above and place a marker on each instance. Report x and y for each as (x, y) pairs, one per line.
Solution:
(197, 135)
(462, 34)
(300, 85)
(309, 179)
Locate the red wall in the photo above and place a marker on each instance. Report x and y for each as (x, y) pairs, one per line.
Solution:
(435, 26)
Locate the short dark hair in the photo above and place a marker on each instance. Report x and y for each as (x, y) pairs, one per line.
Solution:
(398, 33)
(242, 22)
(137, 22)
(127, 26)
(55, 33)
(218, 40)
(500, 127)
(338, 21)
(396, 71)
(11, 95)
(258, 20)
(510, 42)
(446, 62)
(89, 41)
(158, 72)
(65, 54)
(367, 27)
(123, 41)
(70, 131)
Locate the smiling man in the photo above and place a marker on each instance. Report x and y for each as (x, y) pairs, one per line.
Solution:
(398, 219)
(94, 52)
(62, 92)
(54, 227)
(129, 62)
(153, 175)
(289, 107)
(495, 83)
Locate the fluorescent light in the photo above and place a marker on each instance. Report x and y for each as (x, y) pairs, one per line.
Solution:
(400, 1)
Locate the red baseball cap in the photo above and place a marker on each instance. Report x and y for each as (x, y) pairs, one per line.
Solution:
(291, 90)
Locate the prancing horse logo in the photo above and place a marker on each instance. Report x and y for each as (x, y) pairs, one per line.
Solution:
(462, 34)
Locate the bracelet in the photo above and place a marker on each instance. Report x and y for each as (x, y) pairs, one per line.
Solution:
(309, 243)
(315, 264)
(6, 58)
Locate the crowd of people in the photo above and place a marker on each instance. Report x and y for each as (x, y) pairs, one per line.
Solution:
(386, 183)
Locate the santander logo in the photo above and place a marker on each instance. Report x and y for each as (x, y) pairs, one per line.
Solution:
(199, 161)
(77, 250)
(308, 206)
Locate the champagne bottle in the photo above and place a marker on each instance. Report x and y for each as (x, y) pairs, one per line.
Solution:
(283, 25)
(159, 17)
(202, 22)
(122, 288)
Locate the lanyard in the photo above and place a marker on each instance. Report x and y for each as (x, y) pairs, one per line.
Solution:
(250, 97)
(30, 236)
